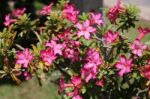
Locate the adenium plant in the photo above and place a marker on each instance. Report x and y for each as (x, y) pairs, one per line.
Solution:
(90, 50)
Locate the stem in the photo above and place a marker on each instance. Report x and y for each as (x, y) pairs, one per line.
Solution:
(105, 47)
(62, 71)
(109, 96)
(16, 70)
(19, 46)
(120, 27)
(109, 53)
(103, 42)
(141, 91)
(38, 36)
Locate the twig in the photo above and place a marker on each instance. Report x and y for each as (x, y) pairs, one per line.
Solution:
(103, 42)
(141, 91)
(38, 36)
(19, 46)
(61, 70)
(109, 53)
(16, 70)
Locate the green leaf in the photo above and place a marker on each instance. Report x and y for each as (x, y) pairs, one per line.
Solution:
(131, 81)
(35, 50)
(125, 86)
(111, 72)
(2, 74)
(84, 16)
(83, 90)
(120, 80)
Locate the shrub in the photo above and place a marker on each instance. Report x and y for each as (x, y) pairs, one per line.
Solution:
(90, 50)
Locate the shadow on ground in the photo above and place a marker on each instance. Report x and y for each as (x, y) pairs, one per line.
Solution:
(28, 90)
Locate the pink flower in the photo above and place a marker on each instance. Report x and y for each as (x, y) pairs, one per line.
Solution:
(111, 37)
(76, 85)
(71, 54)
(65, 35)
(70, 13)
(96, 19)
(93, 56)
(100, 82)
(137, 47)
(75, 94)
(77, 97)
(114, 12)
(85, 29)
(88, 74)
(143, 32)
(62, 85)
(148, 62)
(8, 20)
(75, 44)
(19, 12)
(57, 48)
(146, 71)
(48, 56)
(124, 65)
(26, 75)
(77, 81)
(46, 10)
(92, 62)
(24, 58)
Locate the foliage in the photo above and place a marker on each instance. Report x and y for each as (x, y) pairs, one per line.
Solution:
(94, 57)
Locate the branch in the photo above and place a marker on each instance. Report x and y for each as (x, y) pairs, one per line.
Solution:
(62, 71)
(141, 91)
(38, 36)
(19, 46)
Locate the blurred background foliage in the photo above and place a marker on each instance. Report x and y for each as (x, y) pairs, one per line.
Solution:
(6, 6)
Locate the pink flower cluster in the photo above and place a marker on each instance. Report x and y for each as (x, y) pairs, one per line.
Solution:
(71, 54)
(46, 10)
(146, 71)
(76, 84)
(57, 48)
(48, 56)
(124, 65)
(92, 62)
(137, 47)
(70, 13)
(8, 20)
(81, 63)
(114, 12)
(85, 29)
(111, 37)
(24, 58)
(96, 19)
(143, 32)
(16, 13)
(70, 50)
